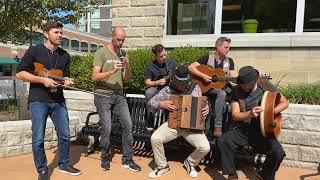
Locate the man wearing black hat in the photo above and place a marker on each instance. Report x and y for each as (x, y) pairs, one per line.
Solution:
(245, 111)
(180, 84)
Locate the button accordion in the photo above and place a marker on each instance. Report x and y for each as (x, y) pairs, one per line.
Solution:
(188, 114)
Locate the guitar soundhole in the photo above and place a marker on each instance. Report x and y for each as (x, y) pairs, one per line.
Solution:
(214, 78)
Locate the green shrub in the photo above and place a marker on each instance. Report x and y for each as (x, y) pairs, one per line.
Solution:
(303, 93)
(81, 70)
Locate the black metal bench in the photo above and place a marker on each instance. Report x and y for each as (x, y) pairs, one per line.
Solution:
(142, 135)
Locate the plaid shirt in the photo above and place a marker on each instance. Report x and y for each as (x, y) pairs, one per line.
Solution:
(164, 94)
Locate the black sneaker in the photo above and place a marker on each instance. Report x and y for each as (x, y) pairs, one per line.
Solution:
(105, 165)
(131, 165)
(70, 170)
(43, 175)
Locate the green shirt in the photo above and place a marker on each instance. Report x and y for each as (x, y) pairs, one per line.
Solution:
(105, 59)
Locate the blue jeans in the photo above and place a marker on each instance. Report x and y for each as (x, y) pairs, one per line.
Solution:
(119, 106)
(59, 115)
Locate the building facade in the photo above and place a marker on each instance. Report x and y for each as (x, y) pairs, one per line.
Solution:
(99, 21)
(283, 39)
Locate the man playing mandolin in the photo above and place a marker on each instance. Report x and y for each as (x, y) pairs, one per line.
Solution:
(158, 71)
(246, 97)
(157, 76)
(46, 99)
(215, 60)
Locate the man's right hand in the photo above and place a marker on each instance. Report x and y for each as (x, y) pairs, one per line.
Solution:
(255, 111)
(167, 104)
(206, 78)
(116, 66)
(161, 82)
(47, 82)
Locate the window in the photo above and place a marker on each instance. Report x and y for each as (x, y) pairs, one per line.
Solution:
(190, 17)
(84, 47)
(93, 48)
(106, 12)
(95, 27)
(95, 14)
(264, 16)
(65, 43)
(312, 16)
(75, 45)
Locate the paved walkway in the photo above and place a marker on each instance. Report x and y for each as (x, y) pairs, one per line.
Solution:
(22, 168)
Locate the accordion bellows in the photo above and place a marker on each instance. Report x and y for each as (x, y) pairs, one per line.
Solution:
(188, 114)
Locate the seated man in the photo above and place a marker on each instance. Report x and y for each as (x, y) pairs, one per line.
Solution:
(180, 84)
(157, 76)
(158, 71)
(245, 112)
(218, 59)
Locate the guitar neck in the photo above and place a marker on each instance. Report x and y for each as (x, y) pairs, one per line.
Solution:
(233, 79)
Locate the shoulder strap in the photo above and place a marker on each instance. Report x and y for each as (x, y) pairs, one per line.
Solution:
(265, 84)
(191, 88)
(211, 59)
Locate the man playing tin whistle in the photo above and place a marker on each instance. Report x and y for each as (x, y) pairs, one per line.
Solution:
(180, 84)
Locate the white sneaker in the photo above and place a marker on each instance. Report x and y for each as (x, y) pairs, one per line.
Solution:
(159, 172)
(191, 170)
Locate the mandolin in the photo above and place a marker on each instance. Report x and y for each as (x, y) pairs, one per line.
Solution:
(218, 78)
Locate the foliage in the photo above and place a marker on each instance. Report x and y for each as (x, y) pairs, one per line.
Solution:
(302, 93)
(139, 60)
(18, 16)
(81, 70)
(8, 105)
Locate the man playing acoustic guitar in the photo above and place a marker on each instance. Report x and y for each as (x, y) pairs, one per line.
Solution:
(218, 59)
(246, 97)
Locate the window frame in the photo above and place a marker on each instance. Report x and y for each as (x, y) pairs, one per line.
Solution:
(299, 38)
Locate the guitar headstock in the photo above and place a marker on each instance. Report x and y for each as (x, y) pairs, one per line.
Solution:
(265, 76)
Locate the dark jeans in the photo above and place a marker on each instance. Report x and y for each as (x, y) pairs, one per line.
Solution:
(119, 106)
(59, 115)
(150, 92)
(217, 99)
(249, 134)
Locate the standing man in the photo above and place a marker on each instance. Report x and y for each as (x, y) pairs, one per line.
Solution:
(218, 59)
(46, 98)
(180, 84)
(245, 110)
(110, 69)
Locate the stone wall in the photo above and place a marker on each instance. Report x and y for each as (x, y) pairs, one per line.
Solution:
(142, 20)
(300, 136)
(15, 136)
(290, 65)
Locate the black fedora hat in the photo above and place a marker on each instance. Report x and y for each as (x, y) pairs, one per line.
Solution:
(181, 75)
(247, 74)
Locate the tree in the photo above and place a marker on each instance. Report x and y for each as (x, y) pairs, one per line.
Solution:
(17, 17)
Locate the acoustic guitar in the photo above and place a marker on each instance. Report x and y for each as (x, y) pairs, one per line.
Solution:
(218, 78)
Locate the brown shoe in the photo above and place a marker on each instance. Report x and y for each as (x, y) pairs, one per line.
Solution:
(233, 177)
(217, 132)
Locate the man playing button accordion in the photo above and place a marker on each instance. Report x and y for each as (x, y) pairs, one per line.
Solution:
(245, 112)
(180, 84)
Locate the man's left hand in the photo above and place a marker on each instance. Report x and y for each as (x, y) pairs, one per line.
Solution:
(205, 111)
(125, 61)
(68, 81)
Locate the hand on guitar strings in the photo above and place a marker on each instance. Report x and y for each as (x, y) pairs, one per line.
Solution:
(167, 104)
(68, 81)
(49, 83)
(206, 78)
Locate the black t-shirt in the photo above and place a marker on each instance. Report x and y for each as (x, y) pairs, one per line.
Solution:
(59, 59)
(156, 71)
(251, 99)
(204, 60)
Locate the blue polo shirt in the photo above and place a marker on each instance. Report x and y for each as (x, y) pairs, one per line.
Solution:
(156, 71)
